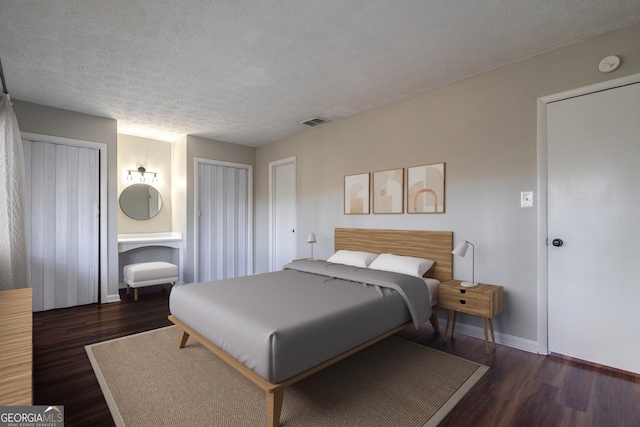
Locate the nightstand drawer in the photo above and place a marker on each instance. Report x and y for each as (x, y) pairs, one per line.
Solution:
(483, 300)
(465, 301)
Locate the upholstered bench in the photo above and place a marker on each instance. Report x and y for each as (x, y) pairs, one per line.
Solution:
(149, 273)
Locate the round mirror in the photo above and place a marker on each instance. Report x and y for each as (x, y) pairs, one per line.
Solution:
(140, 201)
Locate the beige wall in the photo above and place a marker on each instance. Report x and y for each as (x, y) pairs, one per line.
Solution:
(484, 129)
(175, 162)
(39, 119)
(154, 155)
(179, 195)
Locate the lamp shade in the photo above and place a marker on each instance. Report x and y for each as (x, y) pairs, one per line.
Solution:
(311, 238)
(461, 249)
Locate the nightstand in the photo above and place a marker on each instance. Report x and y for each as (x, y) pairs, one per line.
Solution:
(483, 300)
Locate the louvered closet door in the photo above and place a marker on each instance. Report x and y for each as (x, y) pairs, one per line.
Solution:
(223, 222)
(62, 222)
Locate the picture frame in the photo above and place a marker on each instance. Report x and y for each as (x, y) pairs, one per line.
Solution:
(388, 191)
(356, 194)
(426, 188)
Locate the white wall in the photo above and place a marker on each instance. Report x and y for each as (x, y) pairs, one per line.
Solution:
(484, 129)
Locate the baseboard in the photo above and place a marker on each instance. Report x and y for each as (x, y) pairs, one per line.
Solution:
(113, 298)
(504, 339)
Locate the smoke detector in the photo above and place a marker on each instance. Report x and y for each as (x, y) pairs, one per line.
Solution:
(609, 64)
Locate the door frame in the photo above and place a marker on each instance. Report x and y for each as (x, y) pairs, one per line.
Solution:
(103, 256)
(272, 206)
(196, 211)
(542, 210)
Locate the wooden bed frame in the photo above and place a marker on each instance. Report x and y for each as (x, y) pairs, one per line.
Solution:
(434, 245)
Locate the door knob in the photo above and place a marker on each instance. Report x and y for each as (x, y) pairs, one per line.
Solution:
(557, 243)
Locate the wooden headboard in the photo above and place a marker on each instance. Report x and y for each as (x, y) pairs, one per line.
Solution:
(434, 245)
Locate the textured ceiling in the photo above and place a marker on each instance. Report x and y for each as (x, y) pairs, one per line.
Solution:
(248, 72)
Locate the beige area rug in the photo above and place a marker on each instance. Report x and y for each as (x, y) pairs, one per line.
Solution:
(148, 381)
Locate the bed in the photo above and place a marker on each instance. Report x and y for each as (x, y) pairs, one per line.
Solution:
(278, 328)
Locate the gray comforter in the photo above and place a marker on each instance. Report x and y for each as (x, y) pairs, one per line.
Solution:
(283, 323)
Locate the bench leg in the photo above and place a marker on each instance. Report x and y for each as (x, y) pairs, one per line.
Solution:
(135, 294)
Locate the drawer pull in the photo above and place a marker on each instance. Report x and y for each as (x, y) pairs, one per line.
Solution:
(463, 291)
(462, 301)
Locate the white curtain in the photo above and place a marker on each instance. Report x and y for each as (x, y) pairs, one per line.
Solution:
(13, 246)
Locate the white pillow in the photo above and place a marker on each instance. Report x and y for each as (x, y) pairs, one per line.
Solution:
(354, 258)
(409, 265)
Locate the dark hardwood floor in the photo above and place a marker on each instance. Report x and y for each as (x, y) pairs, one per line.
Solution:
(520, 388)
(62, 372)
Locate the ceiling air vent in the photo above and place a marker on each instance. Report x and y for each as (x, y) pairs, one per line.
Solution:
(314, 121)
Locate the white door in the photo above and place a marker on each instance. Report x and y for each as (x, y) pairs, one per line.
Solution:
(594, 208)
(63, 199)
(224, 237)
(282, 191)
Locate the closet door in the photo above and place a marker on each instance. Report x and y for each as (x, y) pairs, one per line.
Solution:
(282, 224)
(593, 207)
(224, 237)
(62, 223)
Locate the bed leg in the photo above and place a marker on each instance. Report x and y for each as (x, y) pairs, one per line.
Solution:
(434, 322)
(274, 407)
(183, 339)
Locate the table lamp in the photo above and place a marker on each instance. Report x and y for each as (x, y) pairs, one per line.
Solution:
(461, 251)
(311, 239)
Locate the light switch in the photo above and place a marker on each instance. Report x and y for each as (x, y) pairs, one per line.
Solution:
(526, 199)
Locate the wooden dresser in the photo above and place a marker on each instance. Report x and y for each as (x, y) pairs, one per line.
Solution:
(16, 342)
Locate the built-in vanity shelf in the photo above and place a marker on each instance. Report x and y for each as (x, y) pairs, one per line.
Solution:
(147, 247)
(127, 242)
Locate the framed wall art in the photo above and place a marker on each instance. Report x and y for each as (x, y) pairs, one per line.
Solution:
(425, 189)
(388, 192)
(356, 194)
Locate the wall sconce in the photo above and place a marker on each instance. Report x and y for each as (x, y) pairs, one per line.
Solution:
(461, 251)
(311, 239)
(141, 170)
